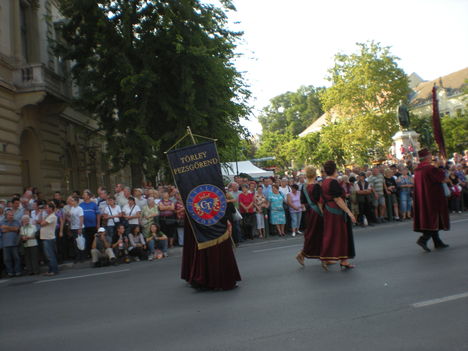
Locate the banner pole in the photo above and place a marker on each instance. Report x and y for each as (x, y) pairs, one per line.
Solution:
(189, 132)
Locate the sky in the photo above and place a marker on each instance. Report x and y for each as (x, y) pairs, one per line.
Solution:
(291, 43)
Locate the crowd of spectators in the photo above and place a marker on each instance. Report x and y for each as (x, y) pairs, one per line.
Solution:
(375, 194)
(108, 228)
(144, 223)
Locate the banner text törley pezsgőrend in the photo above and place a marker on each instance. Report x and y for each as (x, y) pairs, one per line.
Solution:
(195, 165)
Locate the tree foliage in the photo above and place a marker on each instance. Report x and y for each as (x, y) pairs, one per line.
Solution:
(148, 69)
(292, 112)
(367, 82)
(275, 144)
(455, 130)
(366, 89)
(455, 133)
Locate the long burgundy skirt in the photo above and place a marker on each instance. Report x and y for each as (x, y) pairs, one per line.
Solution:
(338, 241)
(313, 234)
(211, 268)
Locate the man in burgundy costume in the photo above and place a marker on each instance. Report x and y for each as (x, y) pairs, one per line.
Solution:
(430, 203)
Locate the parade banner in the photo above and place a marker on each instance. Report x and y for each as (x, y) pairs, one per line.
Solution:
(197, 174)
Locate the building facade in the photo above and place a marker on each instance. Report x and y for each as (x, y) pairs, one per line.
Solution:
(44, 141)
(451, 93)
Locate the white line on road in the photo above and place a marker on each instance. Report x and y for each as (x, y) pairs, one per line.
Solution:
(80, 276)
(439, 300)
(276, 248)
(460, 220)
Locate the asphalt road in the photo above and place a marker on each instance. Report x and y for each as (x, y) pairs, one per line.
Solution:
(397, 298)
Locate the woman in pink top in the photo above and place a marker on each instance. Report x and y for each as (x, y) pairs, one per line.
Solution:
(295, 208)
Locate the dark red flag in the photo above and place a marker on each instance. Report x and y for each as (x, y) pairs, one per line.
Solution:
(436, 126)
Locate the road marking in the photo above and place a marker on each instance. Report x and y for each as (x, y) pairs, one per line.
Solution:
(80, 276)
(276, 248)
(460, 220)
(440, 300)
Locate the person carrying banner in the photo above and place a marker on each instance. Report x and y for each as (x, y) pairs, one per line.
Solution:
(429, 202)
(208, 260)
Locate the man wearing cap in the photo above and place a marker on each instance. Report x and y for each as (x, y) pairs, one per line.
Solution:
(430, 204)
(101, 248)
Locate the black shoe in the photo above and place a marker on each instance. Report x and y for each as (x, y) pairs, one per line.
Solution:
(423, 245)
(441, 245)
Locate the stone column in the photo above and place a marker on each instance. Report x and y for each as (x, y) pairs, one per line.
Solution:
(405, 138)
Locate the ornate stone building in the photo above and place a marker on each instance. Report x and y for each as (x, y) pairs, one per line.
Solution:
(44, 141)
(451, 93)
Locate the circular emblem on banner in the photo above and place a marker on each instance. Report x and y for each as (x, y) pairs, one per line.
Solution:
(206, 204)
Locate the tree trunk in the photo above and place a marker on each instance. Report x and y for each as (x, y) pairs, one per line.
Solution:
(137, 175)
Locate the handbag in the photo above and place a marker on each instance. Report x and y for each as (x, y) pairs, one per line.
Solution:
(80, 242)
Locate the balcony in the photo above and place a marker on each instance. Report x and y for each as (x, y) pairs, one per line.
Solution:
(39, 78)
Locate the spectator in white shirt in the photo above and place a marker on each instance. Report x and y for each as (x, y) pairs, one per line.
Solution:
(31, 249)
(76, 219)
(132, 214)
(111, 214)
(122, 200)
(102, 204)
(47, 235)
(140, 200)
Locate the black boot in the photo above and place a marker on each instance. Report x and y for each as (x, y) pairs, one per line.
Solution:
(422, 241)
(438, 243)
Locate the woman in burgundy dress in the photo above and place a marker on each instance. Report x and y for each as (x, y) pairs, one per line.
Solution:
(338, 242)
(212, 268)
(310, 197)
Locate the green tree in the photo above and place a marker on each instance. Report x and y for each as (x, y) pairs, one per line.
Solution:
(423, 126)
(247, 149)
(455, 133)
(274, 144)
(147, 69)
(366, 89)
(292, 112)
(455, 130)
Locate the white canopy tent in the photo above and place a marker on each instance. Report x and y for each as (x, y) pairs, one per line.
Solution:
(229, 169)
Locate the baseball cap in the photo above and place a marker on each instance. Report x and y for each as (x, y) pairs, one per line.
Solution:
(101, 230)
